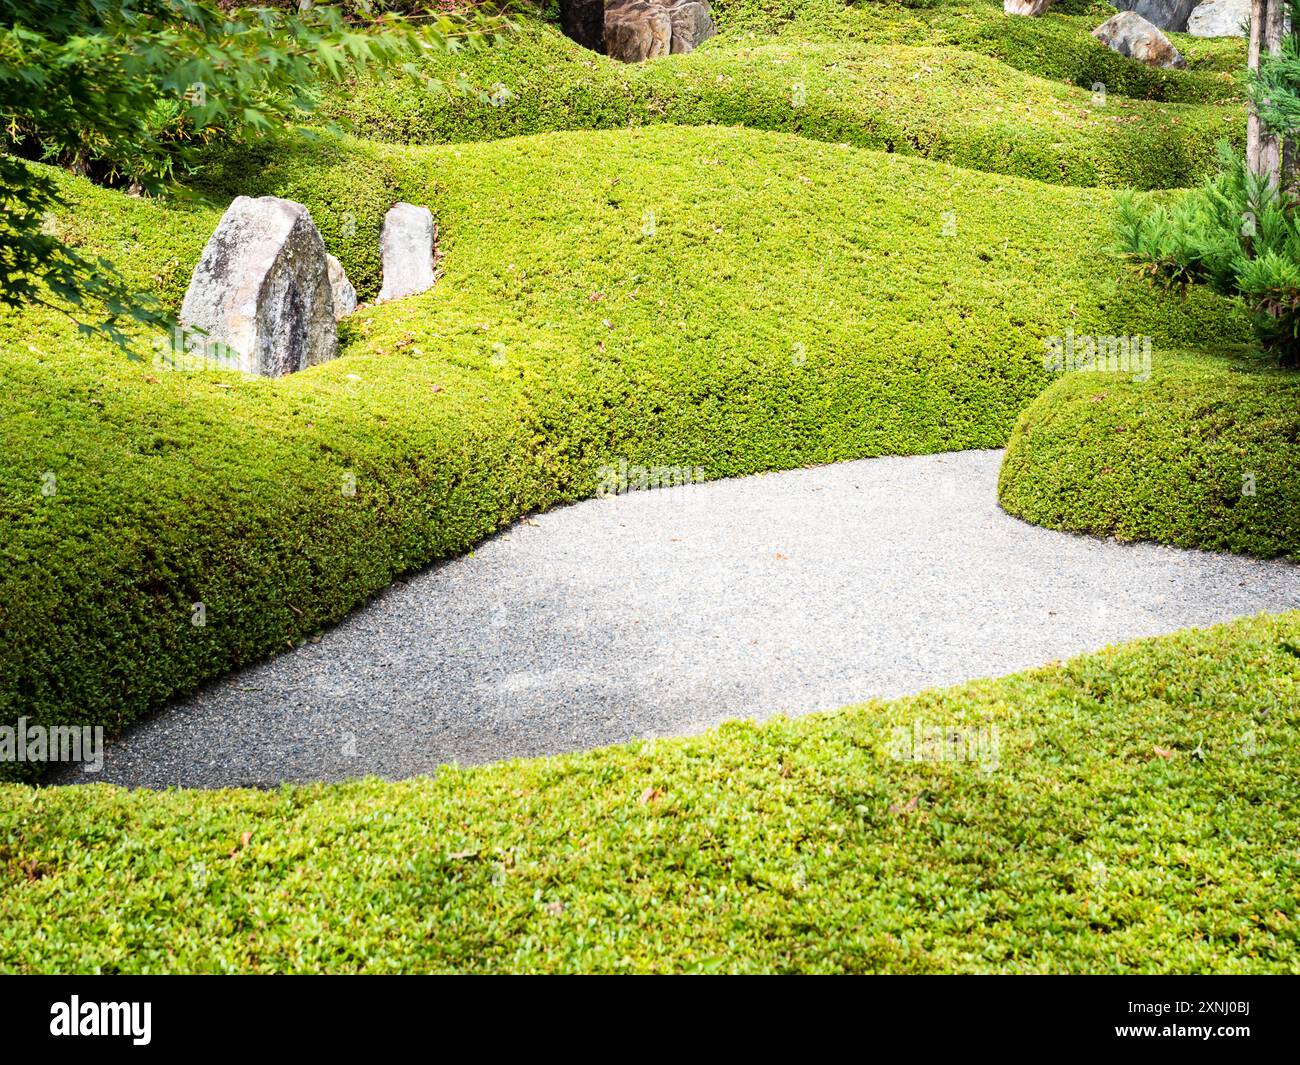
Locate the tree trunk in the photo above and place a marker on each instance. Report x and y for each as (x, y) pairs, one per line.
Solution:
(1263, 149)
(1257, 154)
(1290, 148)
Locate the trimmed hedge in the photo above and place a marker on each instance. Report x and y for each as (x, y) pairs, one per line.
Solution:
(720, 298)
(1203, 455)
(1057, 45)
(1135, 812)
(939, 103)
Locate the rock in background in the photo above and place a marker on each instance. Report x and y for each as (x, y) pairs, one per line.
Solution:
(1220, 18)
(636, 30)
(1025, 7)
(1130, 34)
(1163, 14)
(262, 288)
(407, 248)
(692, 23)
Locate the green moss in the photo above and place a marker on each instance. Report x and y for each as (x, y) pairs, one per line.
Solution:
(1203, 455)
(936, 102)
(1129, 811)
(1058, 45)
(724, 298)
(793, 302)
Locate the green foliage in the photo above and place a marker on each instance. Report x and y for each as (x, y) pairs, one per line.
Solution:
(639, 294)
(1139, 817)
(1237, 233)
(128, 89)
(936, 102)
(1202, 455)
(1057, 45)
(1275, 86)
(37, 268)
(673, 348)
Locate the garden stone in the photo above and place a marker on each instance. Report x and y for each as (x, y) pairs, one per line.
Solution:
(345, 296)
(1129, 34)
(1025, 7)
(262, 288)
(1163, 14)
(1220, 18)
(692, 25)
(637, 30)
(406, 247)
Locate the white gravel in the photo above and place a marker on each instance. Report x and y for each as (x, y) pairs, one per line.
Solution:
(665, 612)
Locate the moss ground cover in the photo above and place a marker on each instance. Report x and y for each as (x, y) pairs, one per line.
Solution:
(736, 284)
(606, 296)
(1132, 811)
(1203, 455)
(938, 102)
(1057, 45)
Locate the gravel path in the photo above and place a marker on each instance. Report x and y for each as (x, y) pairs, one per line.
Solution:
(665, 612)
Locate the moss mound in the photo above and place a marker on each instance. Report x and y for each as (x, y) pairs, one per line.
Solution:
(723, 299)
(937, 102)
(1202, 455)
(1129, 811)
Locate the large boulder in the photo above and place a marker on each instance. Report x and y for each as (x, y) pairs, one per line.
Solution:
(1220, 18)
(262, 288)
(637, 30)
(406, 248)
(1163, 14)
(1025, 7)
(584, 21)
(1130, 34)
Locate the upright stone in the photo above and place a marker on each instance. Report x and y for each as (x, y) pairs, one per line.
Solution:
(262, 288)
(345, 296)
(406, 247)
